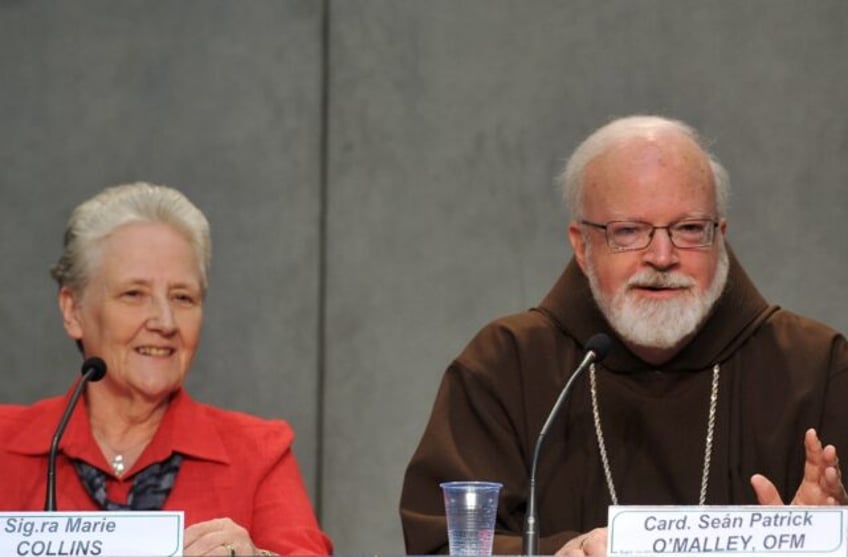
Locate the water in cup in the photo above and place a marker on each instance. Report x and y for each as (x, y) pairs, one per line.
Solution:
(470, 510)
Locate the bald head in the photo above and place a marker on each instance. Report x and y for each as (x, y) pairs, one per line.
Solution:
(634, 143)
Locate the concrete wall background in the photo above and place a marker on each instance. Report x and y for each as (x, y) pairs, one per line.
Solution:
(379, 179)
(219, 99)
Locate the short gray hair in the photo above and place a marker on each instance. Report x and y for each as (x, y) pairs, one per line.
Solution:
(600, 141)
(98, 217)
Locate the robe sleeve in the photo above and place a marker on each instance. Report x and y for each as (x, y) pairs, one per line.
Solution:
(477, 431)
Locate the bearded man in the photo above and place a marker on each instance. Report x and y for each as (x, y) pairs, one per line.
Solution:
(710, 395)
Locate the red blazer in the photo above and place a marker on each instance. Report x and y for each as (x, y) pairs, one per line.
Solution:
(235, 465)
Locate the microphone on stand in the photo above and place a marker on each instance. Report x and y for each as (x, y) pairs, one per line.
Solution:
(93, 369)
(597, 349)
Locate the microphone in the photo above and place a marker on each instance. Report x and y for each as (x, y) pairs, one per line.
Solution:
(93, 369)
(597, 349)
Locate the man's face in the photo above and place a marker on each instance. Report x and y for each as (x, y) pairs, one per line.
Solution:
(657, 296)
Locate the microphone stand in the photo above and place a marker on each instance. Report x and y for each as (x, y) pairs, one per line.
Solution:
(93, 369)
(597, 348)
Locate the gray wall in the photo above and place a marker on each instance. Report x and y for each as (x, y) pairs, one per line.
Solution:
(378, 174)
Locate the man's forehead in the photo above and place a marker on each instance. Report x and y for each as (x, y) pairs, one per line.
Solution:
(639, 156)
(668, 146)
(644, 174)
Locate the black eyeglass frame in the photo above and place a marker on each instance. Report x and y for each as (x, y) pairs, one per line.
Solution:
(668, 228)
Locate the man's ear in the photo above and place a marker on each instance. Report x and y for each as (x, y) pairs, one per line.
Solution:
(578, 244)
(69, 306)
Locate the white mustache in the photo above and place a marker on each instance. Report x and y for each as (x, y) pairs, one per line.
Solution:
(651, 279)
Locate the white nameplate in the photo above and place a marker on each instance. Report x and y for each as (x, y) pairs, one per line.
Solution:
(728, 530)
(71, 534)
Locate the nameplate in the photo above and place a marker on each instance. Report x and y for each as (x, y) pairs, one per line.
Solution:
(71, 534)
(727, 530)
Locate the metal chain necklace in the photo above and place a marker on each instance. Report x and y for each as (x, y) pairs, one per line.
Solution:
(708, 449)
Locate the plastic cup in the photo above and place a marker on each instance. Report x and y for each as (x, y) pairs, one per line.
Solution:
(470, 509)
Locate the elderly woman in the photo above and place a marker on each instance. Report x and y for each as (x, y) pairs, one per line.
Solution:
(132, 281)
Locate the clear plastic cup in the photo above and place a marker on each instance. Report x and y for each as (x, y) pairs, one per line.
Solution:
(470, 509)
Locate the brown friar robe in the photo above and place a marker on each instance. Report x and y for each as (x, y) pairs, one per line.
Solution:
(779, 375)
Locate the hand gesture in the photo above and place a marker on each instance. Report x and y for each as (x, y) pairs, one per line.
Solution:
(822, 482)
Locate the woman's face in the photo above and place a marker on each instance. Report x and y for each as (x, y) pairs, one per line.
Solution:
(141, 310)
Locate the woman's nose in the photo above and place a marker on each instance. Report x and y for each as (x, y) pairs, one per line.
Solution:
(162, 315)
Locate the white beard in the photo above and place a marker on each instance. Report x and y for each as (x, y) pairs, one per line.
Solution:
(659, 323)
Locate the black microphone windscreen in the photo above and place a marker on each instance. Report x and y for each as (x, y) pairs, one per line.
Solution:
(599, 344)
(98, 365)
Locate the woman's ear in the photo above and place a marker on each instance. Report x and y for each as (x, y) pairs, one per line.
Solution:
(69, 306)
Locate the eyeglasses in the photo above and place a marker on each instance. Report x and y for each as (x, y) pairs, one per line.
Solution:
(635, 235)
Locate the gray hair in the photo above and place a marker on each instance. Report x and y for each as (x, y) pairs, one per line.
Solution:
(600, 141)
(95, 219)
